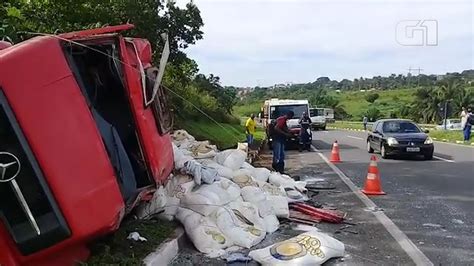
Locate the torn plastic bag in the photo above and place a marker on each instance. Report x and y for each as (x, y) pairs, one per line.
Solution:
(207, 198)
(309, 248)
(201, 173)
(203, 232)
(233, 159)
(222, 171)
(236, 228)
(180, 158)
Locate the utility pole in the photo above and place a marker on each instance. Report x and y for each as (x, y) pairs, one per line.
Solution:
(419, 70)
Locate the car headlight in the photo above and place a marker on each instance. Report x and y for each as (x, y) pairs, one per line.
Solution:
(391, 141)
(429, 140)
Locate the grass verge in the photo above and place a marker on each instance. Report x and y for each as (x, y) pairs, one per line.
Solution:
(223, 135)
(116, 249)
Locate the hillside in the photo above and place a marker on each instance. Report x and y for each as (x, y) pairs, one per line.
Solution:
(353, 102)
(389, 103)
(420, 97)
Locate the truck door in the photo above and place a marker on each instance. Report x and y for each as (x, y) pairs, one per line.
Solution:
(152, 127)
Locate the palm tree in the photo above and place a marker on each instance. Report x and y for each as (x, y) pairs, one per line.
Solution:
(448, 89)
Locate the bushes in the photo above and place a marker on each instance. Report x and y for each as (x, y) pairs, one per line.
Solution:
(372, 97)
(373, 114)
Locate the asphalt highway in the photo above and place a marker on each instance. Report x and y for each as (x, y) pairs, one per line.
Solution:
(432, 202)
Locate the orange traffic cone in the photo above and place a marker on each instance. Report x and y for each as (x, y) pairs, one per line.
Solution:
(335, 153)
(372, 182)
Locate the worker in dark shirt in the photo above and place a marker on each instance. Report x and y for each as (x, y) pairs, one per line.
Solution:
(281, 133)
(305, 132)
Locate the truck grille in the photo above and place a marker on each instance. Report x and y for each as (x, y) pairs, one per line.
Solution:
(27, 208)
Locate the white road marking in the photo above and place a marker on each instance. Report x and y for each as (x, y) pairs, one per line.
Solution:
(442, 159)
(352, 137)
(454, 144)
(405, 243)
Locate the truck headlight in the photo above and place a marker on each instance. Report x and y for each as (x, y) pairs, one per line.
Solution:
(391, 141)
(429, 140)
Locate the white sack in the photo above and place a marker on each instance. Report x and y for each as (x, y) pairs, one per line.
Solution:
(203, 232)
(175, 189)
(181, 135)
(246, 165)
(261, 174)
(249, 211)
(208, 198)
(309, 248)
(233, 159)
(242, 178)
(276, 197)
(257, 197)
(241, 233)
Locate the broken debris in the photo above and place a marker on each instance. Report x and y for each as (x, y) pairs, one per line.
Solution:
(135, 236)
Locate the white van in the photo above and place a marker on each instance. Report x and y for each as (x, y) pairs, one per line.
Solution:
(318, 118)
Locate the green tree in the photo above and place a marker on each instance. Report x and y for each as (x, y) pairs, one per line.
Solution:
(372, 97)
(151, 18)
(373, 113)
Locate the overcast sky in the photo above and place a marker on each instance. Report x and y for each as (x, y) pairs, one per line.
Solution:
(264, 42)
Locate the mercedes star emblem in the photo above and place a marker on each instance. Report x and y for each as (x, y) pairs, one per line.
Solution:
(10, 167)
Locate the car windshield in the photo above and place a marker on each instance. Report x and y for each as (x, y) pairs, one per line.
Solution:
(279, 110)
(400, 127)
(316, 112)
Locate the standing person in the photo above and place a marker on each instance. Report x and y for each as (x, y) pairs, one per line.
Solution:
(305, 123)
(364, 121)
(280, 134)
(466, 122)
(250, 126)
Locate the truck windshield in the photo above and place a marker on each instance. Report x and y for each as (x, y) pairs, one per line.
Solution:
(279, 110)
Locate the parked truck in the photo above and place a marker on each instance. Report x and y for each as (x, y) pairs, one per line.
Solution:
(84, 137)
(274, 108)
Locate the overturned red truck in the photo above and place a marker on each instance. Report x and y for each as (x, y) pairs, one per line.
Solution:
(84, 137)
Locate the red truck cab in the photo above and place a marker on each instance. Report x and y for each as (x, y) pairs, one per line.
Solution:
(83, 137)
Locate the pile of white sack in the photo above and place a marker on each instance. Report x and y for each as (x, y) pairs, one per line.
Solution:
(221, 200)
